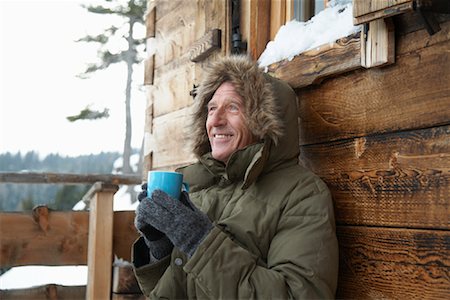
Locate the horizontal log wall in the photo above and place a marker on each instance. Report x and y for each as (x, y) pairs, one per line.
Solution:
(380, 139)
(179, 27)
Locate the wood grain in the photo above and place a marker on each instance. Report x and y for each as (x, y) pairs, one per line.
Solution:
(172, 139)
(365, 11)
(64, 242)
(312, 66)
(49, 291)
(412, 93)
(400, 179)
(67, 178)
(204, 47)
(393, 263)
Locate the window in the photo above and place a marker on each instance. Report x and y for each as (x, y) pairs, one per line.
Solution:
(303, 10)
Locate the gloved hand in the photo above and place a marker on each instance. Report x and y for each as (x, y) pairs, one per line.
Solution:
(180, 220)
(159, 245)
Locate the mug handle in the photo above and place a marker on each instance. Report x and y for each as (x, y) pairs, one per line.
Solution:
(185, 187)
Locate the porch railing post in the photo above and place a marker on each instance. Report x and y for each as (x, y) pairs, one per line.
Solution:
(100, 241)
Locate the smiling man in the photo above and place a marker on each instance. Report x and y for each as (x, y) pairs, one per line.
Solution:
(226, 126)
(255, 224)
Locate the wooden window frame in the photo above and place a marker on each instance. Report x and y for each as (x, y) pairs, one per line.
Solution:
(372, 47)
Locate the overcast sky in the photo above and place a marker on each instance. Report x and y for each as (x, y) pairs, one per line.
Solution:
(39, 61)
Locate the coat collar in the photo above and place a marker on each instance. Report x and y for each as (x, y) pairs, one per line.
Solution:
(244, 165)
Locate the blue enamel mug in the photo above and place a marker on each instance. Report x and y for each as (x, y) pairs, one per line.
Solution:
(169, 182)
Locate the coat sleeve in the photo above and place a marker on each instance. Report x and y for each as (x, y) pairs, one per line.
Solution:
(147, 272)
(302, 262)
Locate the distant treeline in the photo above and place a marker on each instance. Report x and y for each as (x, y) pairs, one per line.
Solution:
(17, 197)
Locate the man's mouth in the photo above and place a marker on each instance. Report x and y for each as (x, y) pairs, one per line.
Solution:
(222, 136)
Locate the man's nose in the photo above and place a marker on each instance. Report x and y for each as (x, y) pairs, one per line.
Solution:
(218, 118)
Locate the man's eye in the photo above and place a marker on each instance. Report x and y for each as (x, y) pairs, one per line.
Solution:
(211, 109)
(233, 108)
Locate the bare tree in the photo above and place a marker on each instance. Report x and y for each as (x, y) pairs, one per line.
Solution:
(132, 13)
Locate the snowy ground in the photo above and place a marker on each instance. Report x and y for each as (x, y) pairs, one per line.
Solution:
(326, 27)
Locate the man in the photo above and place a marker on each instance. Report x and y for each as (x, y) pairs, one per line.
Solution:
(259, 225)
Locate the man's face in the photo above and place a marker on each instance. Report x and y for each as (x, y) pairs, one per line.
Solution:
(225, 124)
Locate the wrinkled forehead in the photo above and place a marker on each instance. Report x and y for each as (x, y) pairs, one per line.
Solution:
(226, 91)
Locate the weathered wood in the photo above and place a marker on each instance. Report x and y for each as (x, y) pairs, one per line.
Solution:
(217, 14)
(124, 234)
(100, 241)
(174, 32)
(149, 69)
(63, 242)
(150, 20)
(204, 47)
(400, 179)
(410, 22)
(314, 65)
(412, 93)
(378, 44)
(67, 178)
(259, 34)
(50, 291)
(277, 16)
(23, 242)
(172, 139)
(124, 281)
(99, 187)
(172, 85)
(393, 263)
(366, 11)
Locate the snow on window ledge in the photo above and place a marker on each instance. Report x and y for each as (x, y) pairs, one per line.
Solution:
(303, 53)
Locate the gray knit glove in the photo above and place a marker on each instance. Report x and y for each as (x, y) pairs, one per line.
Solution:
(180, 220)
(159, 245)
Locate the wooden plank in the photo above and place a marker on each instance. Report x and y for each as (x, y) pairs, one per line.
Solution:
(150, 20)
(173, 83)
(49, 291)
(367, 11)
(204, 47)
(172, 140)
(67, 178)
(149, 69)
(311, 67)
(400, 179)
(393, 263)
(174, 32)
(418, 39)
(413, 93)
(165, 7)
(289, 10)
(277, 16)
(100, 252)
(259, 34)
(23, 241)
(378, 44)
(124, 234)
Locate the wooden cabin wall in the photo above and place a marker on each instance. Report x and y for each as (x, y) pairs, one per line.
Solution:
(380, 139)
(178, 27)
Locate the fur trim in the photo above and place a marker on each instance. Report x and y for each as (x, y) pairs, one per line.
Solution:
(263, 116)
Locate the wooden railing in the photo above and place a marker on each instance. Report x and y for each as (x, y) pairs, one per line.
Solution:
(92, 238)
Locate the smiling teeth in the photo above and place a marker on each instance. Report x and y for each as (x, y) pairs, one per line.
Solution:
(221, 136)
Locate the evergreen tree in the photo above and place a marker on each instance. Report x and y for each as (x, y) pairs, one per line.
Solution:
(132, 12)
(68, 196)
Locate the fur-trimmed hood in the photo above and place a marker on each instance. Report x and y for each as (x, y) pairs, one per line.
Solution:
(270, 106)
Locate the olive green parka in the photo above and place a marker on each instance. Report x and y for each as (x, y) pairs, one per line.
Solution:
(274, 229)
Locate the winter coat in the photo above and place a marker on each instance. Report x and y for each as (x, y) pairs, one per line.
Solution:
(274, 229)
